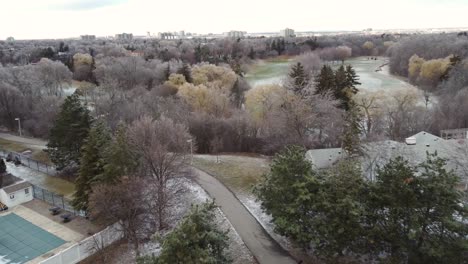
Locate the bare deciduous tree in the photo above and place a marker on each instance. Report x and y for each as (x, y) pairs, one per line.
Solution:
(125, 202)
(161, 147)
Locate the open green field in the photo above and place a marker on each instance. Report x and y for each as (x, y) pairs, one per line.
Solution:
(268, 72)
(238, 173)
(372, 75)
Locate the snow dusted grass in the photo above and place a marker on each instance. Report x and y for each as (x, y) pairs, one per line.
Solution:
(124, 254)
(239, 174)
(237, 249)
(51, 183)
(264, 219)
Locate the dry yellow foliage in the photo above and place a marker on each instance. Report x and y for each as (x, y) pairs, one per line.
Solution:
(203, 99)
(263, 99)
(214, 76)
(176, 80)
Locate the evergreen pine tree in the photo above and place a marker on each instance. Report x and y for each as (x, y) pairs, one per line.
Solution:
(185, 71)
(118, 159)
(3, 168)
(196, 240)
(286, 193)
(198, 54)
(282, 47)
(352, 79)
(419, 209)
(251, 53)
(91, 165)
(167, 72)
(237, 94)
(342, 87)
(3, 171)
(68, 133)
(325, 81)
(351, 141)
(273, 45)
(298, 77)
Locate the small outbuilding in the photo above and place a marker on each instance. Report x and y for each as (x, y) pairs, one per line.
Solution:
(15, 191)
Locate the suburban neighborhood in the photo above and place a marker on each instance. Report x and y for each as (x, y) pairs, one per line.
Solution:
(247, 132)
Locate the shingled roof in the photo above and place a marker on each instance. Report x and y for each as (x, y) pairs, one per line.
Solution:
(16, 187)
(379, 153)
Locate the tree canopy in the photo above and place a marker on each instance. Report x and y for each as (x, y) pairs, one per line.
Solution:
(409, 214)
(69, 132)
(197, 240)
(91, 164)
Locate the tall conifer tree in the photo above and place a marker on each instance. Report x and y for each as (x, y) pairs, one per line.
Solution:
(67, 135)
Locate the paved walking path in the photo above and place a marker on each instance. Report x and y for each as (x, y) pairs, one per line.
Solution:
(31, 142)
(262, 246)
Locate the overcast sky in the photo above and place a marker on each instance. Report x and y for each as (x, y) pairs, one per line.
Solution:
(32, 19)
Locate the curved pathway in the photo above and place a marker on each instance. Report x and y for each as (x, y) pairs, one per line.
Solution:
(262, 246)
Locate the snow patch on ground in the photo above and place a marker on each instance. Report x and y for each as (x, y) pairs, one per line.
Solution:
(238, 252)
(195, 194)
(50, 183)
(264, 219)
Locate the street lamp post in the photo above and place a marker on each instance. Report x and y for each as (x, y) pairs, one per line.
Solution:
(19, 125)
(191, 150)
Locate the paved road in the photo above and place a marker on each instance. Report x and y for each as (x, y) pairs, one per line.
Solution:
(262, 246)
(31, 142)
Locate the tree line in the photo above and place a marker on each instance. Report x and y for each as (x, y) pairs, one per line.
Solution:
(408, 214)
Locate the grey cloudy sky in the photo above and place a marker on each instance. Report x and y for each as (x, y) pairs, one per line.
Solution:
(31, 19)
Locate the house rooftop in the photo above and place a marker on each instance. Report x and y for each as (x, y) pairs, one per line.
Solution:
(380, 152)
(16, 187)
(9, 179)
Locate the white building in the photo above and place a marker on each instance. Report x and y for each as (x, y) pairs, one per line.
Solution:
(287, 33)
(235, 34)
(124, 36)
(15, 191)
(88, 37)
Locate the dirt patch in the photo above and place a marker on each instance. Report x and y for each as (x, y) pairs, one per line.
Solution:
(77, 224)
(117, 253)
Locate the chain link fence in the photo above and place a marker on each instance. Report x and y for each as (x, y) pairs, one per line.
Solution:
(28, 162)
(55, 200)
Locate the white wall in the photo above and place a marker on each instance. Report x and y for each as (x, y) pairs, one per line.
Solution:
(19, 197)
(86, 247)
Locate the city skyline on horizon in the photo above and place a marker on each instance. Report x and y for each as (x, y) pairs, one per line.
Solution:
(56, 19)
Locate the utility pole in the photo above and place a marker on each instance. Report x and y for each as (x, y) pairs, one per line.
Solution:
(19, 126)
(191, 150)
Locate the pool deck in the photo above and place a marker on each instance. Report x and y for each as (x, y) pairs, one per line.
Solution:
(54, 227)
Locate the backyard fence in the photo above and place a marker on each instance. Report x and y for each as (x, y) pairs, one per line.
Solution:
(86, 247)
(31, 163)
(55, 200)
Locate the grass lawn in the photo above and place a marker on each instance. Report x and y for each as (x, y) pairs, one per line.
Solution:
(37, 154)
(238, 173)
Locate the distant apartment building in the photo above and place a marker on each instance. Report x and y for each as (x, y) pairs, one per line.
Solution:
(236, 34)
(124, 36)
(171, 35)
(166, 35)
(88, 37)
(287, 33)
